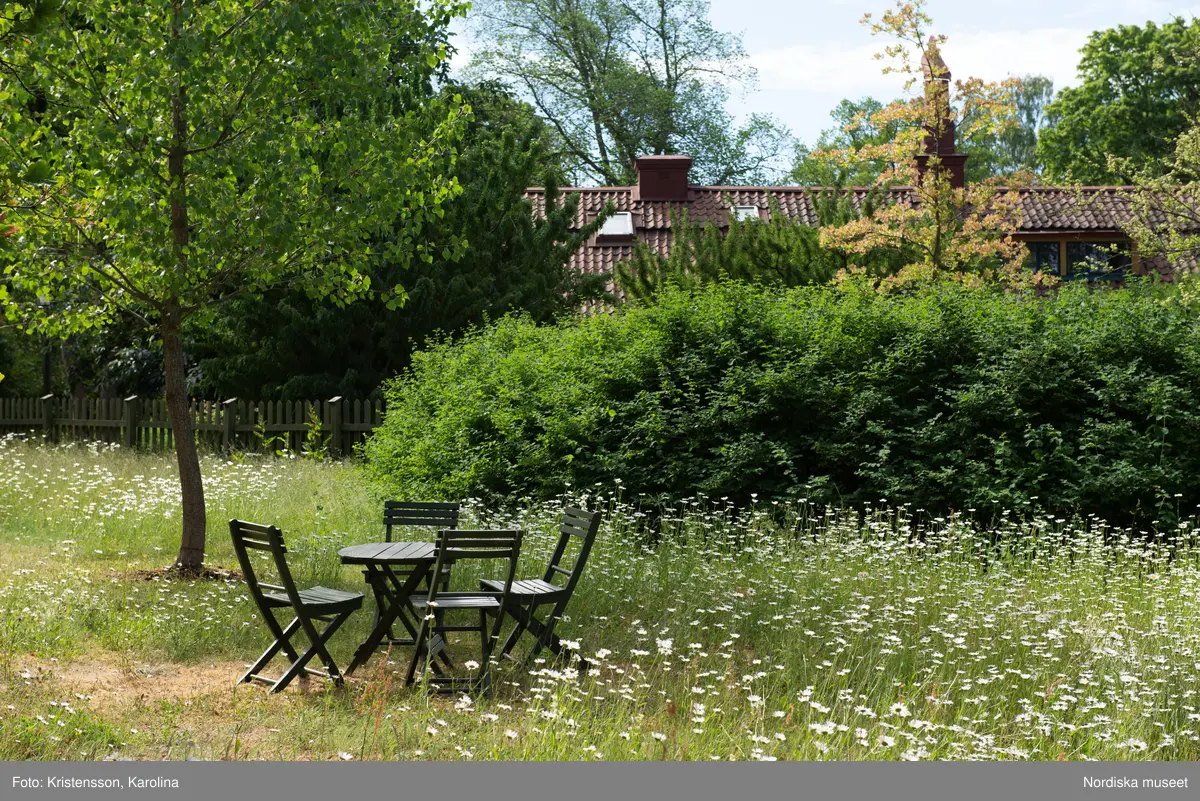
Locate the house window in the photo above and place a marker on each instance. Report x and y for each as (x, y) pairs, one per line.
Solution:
(1044, 257)
(618, 225)
(746, 213)
(1085, 261)
(1097, 261)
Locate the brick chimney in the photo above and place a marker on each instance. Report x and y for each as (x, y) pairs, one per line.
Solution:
(662, 178)
(939, 137)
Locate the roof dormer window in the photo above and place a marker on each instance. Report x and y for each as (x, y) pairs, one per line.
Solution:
(742, 213)
(618, 225)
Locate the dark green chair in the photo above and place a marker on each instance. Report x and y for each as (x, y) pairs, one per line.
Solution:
(419, 513)
(416, 514)
(461, 546)
(526, 596)
(318, 604)
(425, 514)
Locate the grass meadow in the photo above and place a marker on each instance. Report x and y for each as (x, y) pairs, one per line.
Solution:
(784, 632)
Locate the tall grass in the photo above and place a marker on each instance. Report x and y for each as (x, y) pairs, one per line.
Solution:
(784, 631)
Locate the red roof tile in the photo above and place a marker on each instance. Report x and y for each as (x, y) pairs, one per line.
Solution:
(1046, 210)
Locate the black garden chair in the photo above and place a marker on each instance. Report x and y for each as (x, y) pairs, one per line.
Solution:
(416, 514)
(459, 546)
(527, 595)
(317, 604)
(413, 513)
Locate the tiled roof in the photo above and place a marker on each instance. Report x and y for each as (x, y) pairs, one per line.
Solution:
(1046, 210)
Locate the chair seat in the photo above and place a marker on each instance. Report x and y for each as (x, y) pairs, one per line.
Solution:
(526, 587)
(319, 598)
(457, 602)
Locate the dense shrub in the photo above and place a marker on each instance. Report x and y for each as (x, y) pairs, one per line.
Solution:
(1084, 402)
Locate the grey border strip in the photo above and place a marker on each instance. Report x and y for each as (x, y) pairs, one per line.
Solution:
(612, 781)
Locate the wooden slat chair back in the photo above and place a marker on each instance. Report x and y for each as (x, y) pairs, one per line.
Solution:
(502, 546)
(556, 587)
(412, 513)
(576, 526)
(329, 606)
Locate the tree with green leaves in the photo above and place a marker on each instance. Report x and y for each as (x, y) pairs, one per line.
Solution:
(859, 127)
(778, 251)
(1139, 89)
(496, 112)
(618, 79)
(854, 130)
(518, 258)
(1011, 149)
(178, 154)
(287, 345)
(1165, 218)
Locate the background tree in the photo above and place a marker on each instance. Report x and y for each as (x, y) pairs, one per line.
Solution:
(288, 345)
(192, 152)
(1166, 210)
(779, 252)
(854, 130)
(15, 349)
(618, 79)
(953, 232)
(1011, 149)
(1140, 87)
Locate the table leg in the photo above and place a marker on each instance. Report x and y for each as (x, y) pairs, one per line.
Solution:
(392, 598)
(385, 614)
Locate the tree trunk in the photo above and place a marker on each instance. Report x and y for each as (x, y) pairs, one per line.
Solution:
(191, 485)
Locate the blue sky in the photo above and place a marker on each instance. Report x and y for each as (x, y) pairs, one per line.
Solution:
(809, 55)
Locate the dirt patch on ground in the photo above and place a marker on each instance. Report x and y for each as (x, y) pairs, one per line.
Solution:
(115, 687)
(174, 573)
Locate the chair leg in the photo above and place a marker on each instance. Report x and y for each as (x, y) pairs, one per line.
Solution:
(521, 615)
(330, 666)
(282, 642)
(540, 641)
(544, 633)
(316, 648)
(485, 654)
(418, 647)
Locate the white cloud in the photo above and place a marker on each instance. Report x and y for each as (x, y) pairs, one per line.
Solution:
(802, 82)
(994, 55)
(464, 45)
(853, 71)
(822, 68)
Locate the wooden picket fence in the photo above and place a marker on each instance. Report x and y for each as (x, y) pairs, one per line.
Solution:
(337, 424)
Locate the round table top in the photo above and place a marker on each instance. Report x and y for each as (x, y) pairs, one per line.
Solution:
(392, 553)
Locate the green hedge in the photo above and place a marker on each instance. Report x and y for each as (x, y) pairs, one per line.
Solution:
(1083, 402)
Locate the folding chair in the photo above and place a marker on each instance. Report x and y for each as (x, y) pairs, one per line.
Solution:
(331, 607)
(460, 546)
(413, 513)
(526, 596)
(424, 514)
(419, 513)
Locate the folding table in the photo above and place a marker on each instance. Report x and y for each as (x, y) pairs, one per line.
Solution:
(395, 571)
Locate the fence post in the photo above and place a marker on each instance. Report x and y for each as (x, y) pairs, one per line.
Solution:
(132, 416)
(229, 420)
(48, 417)
(333, 414)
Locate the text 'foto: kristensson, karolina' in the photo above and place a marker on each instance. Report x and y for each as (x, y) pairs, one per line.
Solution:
(80, 783)
(1118, 782)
